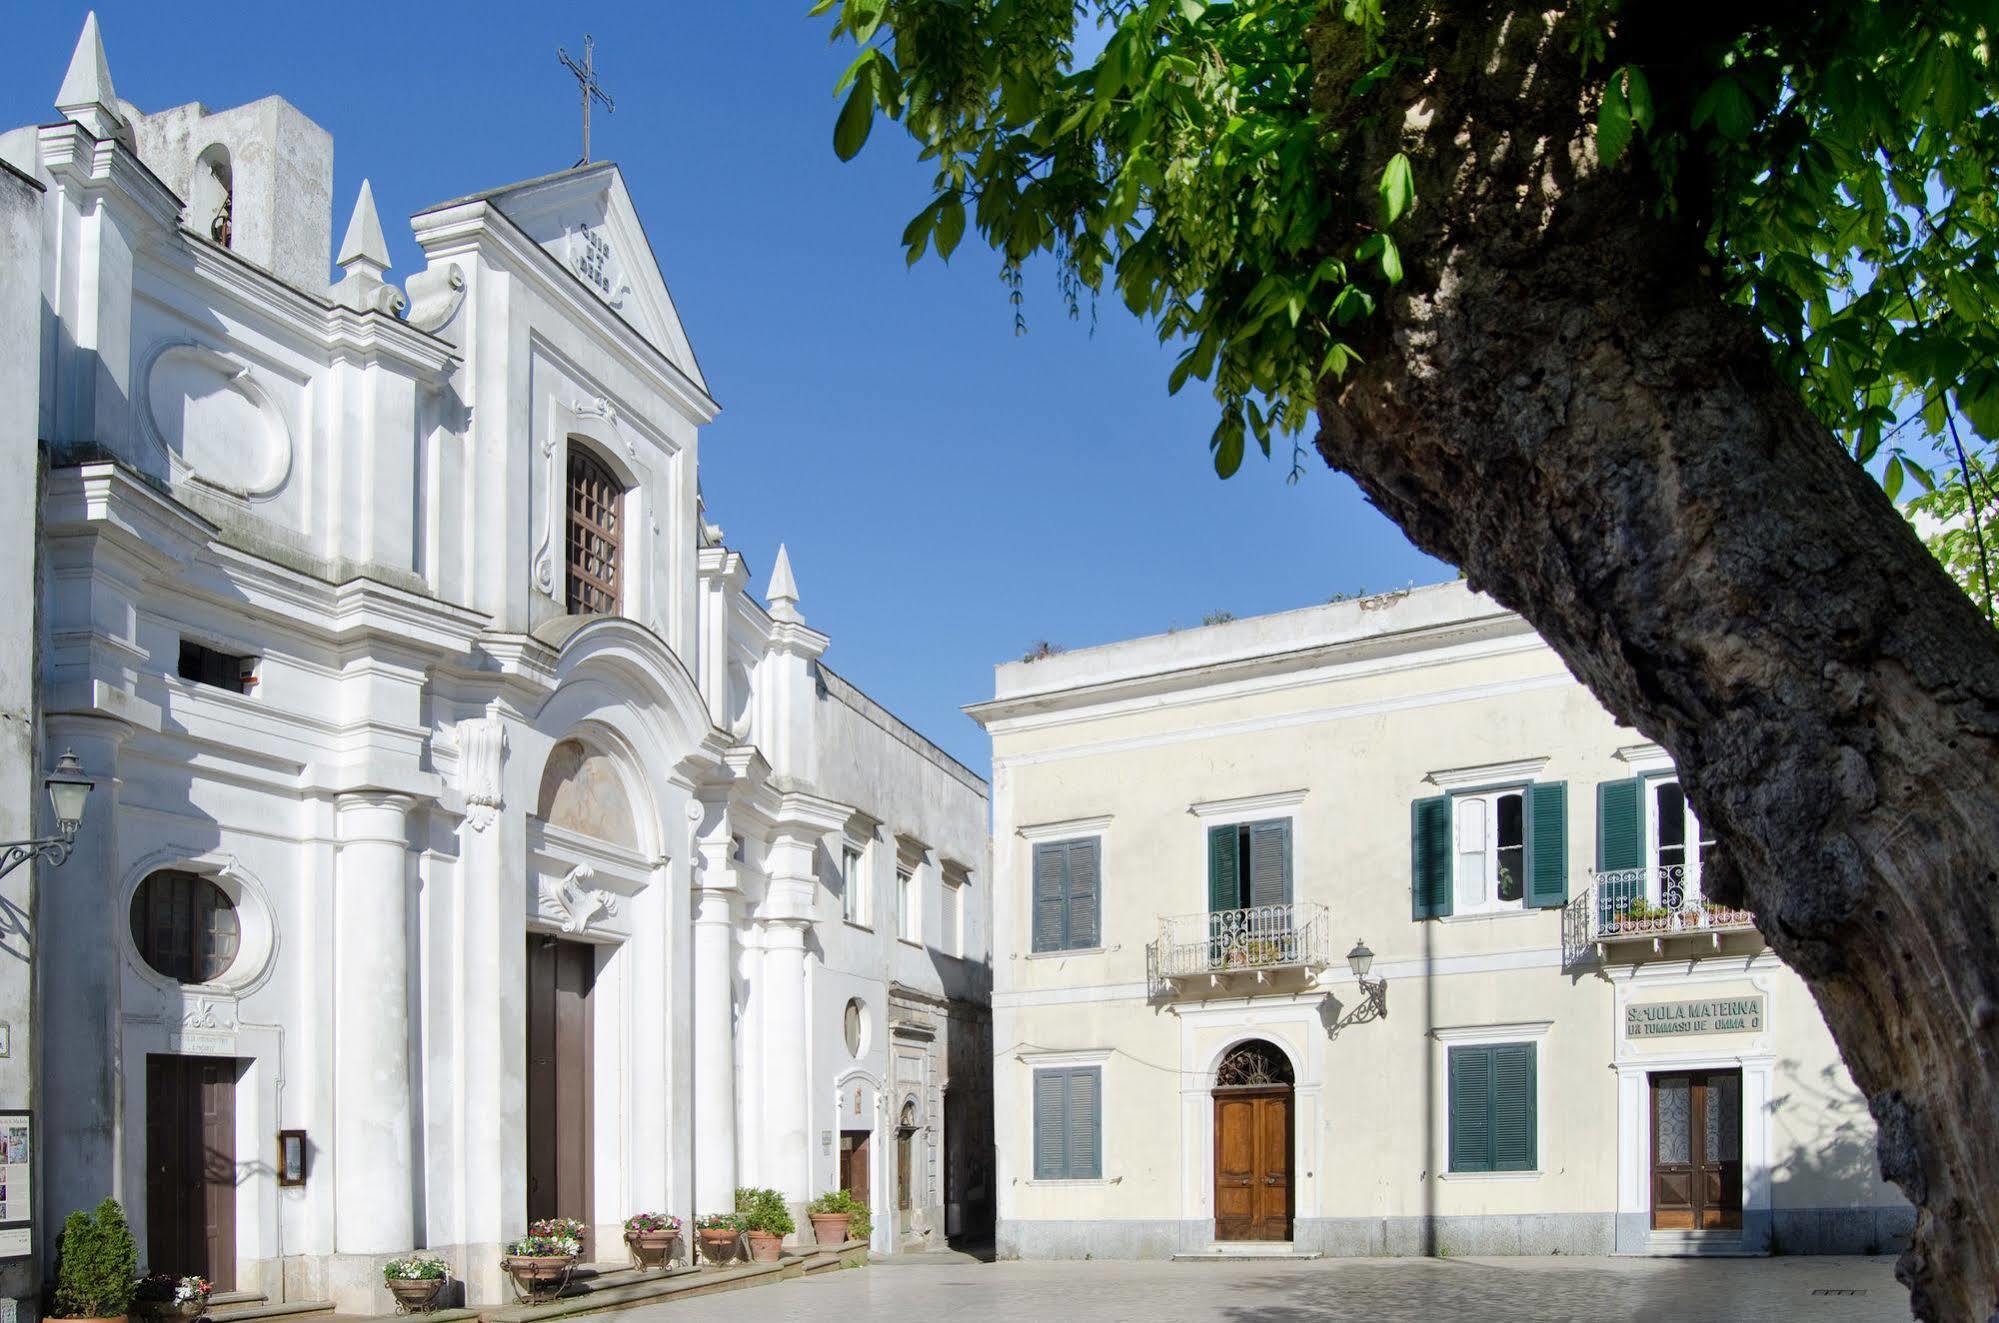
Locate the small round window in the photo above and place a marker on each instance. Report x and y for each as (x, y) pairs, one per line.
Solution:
(185, 927)
(856, 1026)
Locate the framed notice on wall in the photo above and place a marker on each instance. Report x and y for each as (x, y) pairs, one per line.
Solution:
(16, 1157)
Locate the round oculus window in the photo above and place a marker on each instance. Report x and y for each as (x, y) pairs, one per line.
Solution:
(855, 1026)
(185, 927)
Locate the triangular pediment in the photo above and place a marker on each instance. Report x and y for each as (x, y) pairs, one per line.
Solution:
(585, 219)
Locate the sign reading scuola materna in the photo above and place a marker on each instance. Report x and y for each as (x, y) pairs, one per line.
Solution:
(1718, 1015)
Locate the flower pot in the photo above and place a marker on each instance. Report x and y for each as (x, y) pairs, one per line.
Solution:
(764, 1247)
(538, 1276)
(415, 1295)
(831, 1228)
(653, 1249)
(718, 1245)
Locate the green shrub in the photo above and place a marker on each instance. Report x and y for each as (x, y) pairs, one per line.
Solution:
(843, 1201)
(97, 1264)
(764, 1210)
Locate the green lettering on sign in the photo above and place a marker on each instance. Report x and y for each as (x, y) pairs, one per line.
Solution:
(1719, 1015)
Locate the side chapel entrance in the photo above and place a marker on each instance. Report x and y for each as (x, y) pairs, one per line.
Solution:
(1253, 1143)
(191, 1167)
(1697, 1150)
(560, 976)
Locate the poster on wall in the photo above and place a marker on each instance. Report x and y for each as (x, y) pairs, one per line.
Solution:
(16, 1156)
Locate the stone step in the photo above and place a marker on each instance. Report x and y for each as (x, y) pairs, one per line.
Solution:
(1240, 1251)
(261, 1308)
(224, 1299)
(1698, 1245)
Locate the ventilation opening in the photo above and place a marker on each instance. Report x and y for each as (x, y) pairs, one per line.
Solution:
(205, 665)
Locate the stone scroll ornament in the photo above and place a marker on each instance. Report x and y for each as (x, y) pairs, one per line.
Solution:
(482, 756)
(568, 904)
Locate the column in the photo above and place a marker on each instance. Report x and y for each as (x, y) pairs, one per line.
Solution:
(80, 908)
(714, 1045)
(786, 1053)
(374, 1186)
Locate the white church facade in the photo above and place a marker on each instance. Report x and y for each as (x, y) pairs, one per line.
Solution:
(460, 816)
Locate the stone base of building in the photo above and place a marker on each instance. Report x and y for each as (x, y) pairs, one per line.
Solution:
(1882, 1230)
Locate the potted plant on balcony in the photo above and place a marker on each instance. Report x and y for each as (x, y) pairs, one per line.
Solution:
(837, 1216)
(415, 1281)
(718, 1235)
(653, 1239)
(96, 1264)
(540, 1264)
(767, 1221)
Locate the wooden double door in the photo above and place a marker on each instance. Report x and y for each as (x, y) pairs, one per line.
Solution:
(560, 976)
(1697, 1150)
(191, 1167)
(1253, 1143)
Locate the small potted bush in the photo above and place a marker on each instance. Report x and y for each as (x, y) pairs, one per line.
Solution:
(653, 1239)
(837, 1216)
(719, 1234)
(415, 1281)
(163, 1295)
(559, 1228)
(765, 1217)
(540, 1265)
(97, 1264)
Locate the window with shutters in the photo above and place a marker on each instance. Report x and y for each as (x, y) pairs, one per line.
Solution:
(596, 534)
(1249, 864)
(854, 887)
(1065, 899)
(1678, 845)
(1068, 1123)
(908, 922)
(1492, 1106)
(1493, 850)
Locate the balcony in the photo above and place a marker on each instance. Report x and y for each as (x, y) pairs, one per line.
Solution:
(1651, 908)
(1240, 945)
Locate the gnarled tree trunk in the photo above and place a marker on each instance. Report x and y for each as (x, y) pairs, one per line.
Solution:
(1559, 402)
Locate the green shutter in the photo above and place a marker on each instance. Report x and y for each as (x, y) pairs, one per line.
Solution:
(1270, 862)
(1470, 1106)
(1430, 857)
(1050, 895)
(1224, 886)
(1084, 891)
(1547, 819)
(1513, 1119)
(1051, 1138)
(1620, 834)
(1086, 1145)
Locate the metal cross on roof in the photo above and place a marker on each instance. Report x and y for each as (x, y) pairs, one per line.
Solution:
(586, 77)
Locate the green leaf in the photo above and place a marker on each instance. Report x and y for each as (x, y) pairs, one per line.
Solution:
(1728, 106)
(950, 225)
(1613, 121)
(1398, 187)
(1638, 95)
(857, 117)
(1391, 261)
(1891, 477)
(916, 235)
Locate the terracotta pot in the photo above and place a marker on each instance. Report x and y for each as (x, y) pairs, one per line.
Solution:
(415, 1295)
(719, 1244)
(538, 1275)
(831, 1228)
(764, 1247)
(653, 1249)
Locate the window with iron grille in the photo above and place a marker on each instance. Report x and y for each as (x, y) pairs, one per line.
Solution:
(185, 926)
(596, 530)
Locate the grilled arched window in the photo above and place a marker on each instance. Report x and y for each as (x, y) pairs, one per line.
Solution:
(596, 534)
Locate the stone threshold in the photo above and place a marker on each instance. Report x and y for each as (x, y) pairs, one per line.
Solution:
(598, 1291)
(1247, 1251)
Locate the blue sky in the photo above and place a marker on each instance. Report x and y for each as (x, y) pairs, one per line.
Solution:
(951, 492)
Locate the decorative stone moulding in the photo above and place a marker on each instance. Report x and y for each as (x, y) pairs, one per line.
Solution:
(213, 420)
(569, 905)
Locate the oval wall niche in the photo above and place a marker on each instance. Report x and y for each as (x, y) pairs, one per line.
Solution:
(215, 421)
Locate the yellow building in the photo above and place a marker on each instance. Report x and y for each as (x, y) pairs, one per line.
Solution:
(1558, 1045)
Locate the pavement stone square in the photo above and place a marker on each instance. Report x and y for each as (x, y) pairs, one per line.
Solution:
(1810, 1290)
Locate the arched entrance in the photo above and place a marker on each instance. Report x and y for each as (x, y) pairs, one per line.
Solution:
(1253, 1143)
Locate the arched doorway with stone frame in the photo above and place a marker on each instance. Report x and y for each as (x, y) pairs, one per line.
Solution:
(1255, 1136)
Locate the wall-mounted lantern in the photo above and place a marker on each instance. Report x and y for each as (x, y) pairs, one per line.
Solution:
(68, 790)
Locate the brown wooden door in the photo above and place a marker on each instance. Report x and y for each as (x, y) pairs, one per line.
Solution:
(1253, 1164)
(191, 1167)
(854, 1163)
(1697, 1150)
(560, 977)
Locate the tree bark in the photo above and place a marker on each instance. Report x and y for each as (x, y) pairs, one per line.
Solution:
(1559, 401)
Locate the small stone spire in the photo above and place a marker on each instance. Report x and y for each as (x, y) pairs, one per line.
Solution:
(86, 95)
(782, 594)
(364, 256)
(365, 246)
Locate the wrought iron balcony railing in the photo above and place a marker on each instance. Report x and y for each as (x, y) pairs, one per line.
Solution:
(1651, 905)
(1261, 939)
